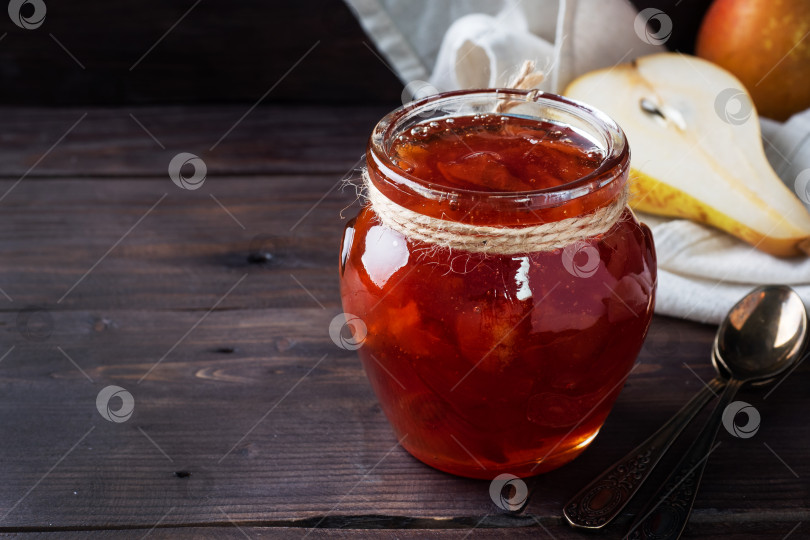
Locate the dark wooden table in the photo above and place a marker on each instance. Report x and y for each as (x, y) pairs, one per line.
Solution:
(248, 421)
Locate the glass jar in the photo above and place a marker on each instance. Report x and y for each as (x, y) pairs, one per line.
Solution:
(498, 363)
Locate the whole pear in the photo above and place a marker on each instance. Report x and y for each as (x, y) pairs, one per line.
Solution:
(765, 44)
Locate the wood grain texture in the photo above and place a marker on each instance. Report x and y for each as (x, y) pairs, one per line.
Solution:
(743, 531)
(185, 254)
(108, 143)
(247, 412)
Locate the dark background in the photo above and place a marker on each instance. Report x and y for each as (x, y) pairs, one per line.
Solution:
(222, 52)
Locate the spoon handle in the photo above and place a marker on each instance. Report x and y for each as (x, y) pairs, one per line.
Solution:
(666, 514)
(601, 501)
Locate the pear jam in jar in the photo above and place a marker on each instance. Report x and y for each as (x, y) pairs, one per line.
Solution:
(504, 286)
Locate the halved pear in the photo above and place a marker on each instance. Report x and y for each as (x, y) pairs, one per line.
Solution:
(696, 149)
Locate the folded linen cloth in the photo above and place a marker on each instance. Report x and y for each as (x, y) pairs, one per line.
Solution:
(702, 271)
(483, 51)
(480, 43)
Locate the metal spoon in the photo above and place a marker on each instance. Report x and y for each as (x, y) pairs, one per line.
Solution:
(762, 336)
(598, 503)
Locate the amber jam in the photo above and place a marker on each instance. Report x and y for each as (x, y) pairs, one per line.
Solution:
(486, 363)
(493, 152)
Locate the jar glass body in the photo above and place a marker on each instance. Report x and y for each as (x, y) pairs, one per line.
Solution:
(483, 363)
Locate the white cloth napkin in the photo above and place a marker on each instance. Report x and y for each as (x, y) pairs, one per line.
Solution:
(479, 43)
(484, 51)
(702, 272)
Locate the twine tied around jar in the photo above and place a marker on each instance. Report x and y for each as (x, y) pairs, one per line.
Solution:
(491, 240)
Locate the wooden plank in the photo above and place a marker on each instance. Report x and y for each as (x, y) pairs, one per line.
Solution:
(740, 531)
(184, 254)
(110, 142)
(320, 445)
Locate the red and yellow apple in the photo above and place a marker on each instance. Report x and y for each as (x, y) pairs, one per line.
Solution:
(765, 44)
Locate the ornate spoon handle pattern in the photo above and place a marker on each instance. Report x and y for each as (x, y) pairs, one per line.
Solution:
(665, 515)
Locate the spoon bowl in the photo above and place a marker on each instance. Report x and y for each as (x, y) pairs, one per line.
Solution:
(762, 335)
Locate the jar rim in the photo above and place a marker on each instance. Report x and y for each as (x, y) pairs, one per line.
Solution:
(611, 168)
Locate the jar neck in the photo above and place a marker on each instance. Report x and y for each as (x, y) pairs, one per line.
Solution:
(517, 209)
(581, 196)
